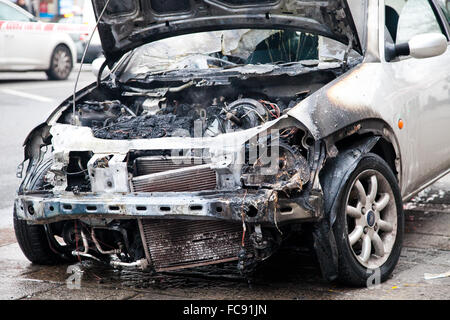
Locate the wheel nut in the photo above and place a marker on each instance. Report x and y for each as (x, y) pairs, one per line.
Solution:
(374, 207)
(363, 210)
(375, 227)
(366, 229)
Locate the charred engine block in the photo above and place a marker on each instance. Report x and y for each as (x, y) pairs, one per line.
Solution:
(114, 120)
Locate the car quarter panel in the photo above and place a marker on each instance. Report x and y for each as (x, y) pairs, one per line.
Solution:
(415, 91)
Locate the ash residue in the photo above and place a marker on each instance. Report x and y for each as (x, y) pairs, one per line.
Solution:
(145, 126)
(172, 120)
(116, 121)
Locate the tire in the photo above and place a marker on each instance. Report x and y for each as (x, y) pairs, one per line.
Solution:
(369, 224)
(61, 63)
(33, 239)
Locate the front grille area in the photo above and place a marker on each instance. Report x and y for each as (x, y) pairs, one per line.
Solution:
(155, 174)
(177, 244)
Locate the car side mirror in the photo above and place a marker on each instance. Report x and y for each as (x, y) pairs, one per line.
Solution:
(423, 46)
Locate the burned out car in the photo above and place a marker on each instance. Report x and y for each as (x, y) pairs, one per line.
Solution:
(227, 126)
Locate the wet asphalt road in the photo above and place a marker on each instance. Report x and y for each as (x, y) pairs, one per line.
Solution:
(26, 99)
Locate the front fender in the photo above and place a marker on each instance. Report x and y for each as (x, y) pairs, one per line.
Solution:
(34, 139)
(336, 171)
(332, 178)
(339, 104)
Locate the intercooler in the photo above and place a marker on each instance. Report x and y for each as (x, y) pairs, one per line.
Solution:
(177, 244)
(173, 174)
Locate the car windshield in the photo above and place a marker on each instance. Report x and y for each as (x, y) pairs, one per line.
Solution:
(229, 48)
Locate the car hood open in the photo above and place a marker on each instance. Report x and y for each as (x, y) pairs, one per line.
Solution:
(126, 25)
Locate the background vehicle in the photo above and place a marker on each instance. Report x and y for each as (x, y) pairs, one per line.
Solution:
(29, 45)
(356, 120)
(81, 38)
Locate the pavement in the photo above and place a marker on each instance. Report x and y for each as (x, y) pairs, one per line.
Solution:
(25, 101)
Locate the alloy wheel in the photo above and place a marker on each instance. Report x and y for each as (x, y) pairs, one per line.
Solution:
(371, 217)
(62, 63)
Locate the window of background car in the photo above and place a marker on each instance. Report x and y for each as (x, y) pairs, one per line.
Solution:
(408, 18)
(10, 14)
(445, 5)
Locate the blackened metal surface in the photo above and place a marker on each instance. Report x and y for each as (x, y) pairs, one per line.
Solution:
(326, 250)
(332, 177)
(177, 244)
(175, 119)
(144, 126)
(336, 171)
(124, 31)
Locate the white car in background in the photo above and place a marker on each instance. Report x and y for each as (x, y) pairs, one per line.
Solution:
(27, 44)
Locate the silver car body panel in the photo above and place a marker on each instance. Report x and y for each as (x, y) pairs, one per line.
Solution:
(408, 90)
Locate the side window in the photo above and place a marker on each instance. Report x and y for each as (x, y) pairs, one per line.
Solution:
(445, 5)
(10, 14)
(408, 18)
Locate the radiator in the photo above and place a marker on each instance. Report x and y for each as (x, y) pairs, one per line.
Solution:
(176, 244)
(173, 174)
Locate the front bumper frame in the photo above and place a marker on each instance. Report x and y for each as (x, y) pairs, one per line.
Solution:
(45, 207)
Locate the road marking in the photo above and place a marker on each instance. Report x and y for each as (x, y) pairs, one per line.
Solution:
(27, 95)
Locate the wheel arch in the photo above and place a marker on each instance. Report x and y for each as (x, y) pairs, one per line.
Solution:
(345, 149)
(387, 146)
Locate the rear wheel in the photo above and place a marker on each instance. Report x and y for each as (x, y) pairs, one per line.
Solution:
(369, 223)
(61, 63)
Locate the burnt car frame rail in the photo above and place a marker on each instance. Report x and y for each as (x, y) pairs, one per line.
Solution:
(229, 205)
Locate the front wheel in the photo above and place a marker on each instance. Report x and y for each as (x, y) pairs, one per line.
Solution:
(369, 223)
(34, 243)
(61, 63)
(37, 241)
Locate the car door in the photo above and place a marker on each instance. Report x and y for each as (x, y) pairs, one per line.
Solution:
(22, 40)
(419, 95)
